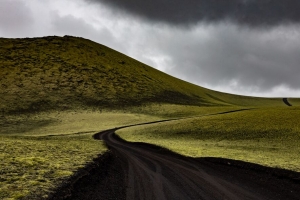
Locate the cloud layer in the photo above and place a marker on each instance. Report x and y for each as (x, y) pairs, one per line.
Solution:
(252, 13)
(228, 58)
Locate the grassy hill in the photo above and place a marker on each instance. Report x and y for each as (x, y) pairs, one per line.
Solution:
(69, 72)
(56, 92)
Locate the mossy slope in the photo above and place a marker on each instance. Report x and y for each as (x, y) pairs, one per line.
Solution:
(67, 72)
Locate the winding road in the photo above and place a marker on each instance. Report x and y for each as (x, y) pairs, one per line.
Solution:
(154, 173)
(141, 171)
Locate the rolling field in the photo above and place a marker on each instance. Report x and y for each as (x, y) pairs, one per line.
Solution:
(56, 92)
(35, 165)
(39, 151)
(42, 150)
(267, 136)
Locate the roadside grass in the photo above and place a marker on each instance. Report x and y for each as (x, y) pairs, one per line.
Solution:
(294, 101)
(168, 111)
(267, 136)
(35, 165)
(39, 151)
(69, 122)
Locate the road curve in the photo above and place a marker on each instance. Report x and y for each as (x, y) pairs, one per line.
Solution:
(143, 171)
(156, 173)
(285, 100)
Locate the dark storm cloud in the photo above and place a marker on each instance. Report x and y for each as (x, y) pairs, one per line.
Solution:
(188, 12)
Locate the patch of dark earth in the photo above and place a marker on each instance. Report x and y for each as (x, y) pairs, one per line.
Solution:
(102, 179)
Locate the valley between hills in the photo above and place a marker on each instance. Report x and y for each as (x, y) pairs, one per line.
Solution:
(62, 99)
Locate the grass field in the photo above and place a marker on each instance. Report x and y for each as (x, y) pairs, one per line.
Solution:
(35, 165)
(68, 122)
(268, 136)
(39, 151)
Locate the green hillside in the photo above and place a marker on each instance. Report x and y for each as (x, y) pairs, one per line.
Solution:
(56, 92)
(69, 72)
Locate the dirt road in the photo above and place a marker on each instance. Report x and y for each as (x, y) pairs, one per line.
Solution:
(285, 100)
(144, 172)
(155, 173)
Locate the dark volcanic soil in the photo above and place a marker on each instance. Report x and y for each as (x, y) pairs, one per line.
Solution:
(103, 179)
(143, 171)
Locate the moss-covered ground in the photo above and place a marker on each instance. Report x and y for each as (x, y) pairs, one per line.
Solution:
(39, 151)
(268, 136)
(38, 74)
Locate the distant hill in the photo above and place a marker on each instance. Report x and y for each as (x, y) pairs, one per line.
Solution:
(69, 72)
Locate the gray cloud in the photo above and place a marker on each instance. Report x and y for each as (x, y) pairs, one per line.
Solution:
(70, 25)
(261, 13)
(226, 55)
(15, 18)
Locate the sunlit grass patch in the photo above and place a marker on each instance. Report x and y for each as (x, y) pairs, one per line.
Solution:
(37, 156)
(177, 111)
(35, 165)
(69, 122)
(268, 136)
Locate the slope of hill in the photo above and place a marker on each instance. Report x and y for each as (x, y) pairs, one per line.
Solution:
(67, 72)
(71, 74)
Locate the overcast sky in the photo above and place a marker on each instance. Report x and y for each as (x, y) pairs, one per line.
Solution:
(249, 47)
